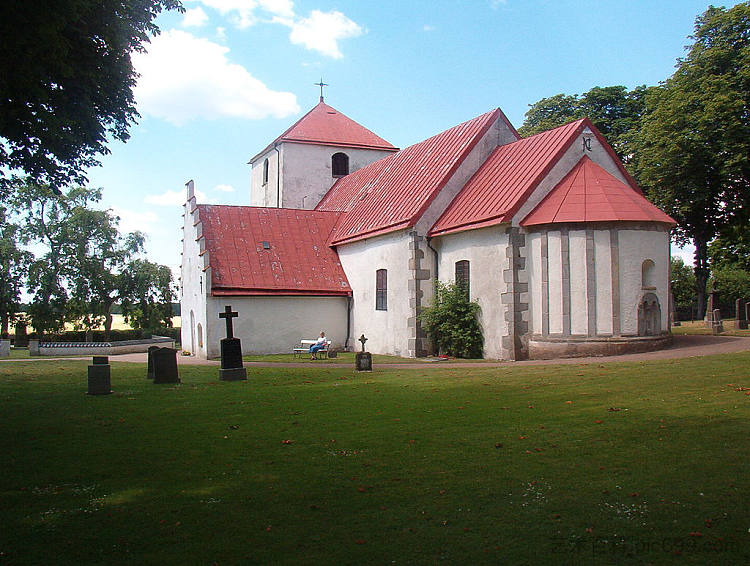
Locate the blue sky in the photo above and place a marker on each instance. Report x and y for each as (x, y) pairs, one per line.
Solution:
(227, 77)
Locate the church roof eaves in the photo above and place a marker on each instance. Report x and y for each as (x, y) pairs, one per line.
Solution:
(324, 125)
(394, 192)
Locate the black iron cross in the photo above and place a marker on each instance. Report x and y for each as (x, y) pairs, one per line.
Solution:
(228, 315)
(363, 340)
(321, 84)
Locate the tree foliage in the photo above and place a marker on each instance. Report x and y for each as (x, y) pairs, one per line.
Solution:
(66, 82)
(694, 144)
(147, 294)
(13, 265)
(452, 322)
(683, 287)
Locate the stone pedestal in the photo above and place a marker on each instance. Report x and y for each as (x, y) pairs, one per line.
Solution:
(33, 347)
(4, 348)
(231, 360)
(165, 365)
(150, 370)
(99, 376)
(717, 326)
(363, 361)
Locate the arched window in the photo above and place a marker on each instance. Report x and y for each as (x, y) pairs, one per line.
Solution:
(648, 274)
(339, 164)
(462, 275)
(381, 290)
(265, 171)
(200, 335)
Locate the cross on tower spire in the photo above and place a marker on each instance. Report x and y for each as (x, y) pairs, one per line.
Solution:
(321, 84)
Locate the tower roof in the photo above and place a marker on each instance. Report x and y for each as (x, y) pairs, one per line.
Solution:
(588, 193)
(324, 125)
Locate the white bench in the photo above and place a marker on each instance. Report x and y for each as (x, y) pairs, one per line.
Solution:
(305, 348)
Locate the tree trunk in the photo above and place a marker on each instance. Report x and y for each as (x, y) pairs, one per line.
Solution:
(108, 322)
(701, 275)
(4, 326)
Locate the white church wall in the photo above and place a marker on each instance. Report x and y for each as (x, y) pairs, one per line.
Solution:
(265, 194)
(387, 331)
(274, 325)
(555, 282)
(534, 270)
(636, 246)
(485, 250)
(193, 285)
(603, 268)
(579, 323)
(306, 171)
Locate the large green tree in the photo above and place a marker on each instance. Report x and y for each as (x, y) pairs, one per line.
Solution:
(14, 261)
(694, 144)
(147, 295)
(66, 82)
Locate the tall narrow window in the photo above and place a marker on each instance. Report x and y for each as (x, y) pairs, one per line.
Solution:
(265, 171)
(381, 290)
(462, 276)
(648, 274)
(339, 164)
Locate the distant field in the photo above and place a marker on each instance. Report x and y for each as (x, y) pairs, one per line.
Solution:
(118, 323)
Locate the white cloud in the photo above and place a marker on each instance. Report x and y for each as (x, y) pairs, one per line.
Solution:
(184, 77)
(224, 189)
(194, 17)
(428, 27)
(131, 221)
(174, 198)
(321, 31)
(244, 13)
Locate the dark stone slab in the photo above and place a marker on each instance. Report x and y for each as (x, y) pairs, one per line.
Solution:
(363, 361)
(99, 377)
(150, 371)
(165, 365)
(233, 374)
(740, 322)
(231, 353)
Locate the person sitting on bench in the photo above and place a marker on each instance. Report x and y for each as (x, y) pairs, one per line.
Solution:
(319, 345)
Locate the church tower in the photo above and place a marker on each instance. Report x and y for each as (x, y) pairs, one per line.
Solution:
(297, 168)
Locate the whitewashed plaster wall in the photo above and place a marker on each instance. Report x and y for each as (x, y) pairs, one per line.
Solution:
(636, 246)
(193, 281)
(485, 249)
(579, 320)
(387, 331)
(274, 325)
(265, 194)
(534, 271)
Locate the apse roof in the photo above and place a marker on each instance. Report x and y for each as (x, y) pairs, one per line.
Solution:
(588, 193)
(394, 192)
(279, 251)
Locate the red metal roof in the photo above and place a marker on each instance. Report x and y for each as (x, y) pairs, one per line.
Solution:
(588, 193)
(394, 192)
(297, 260)
(509, 176)
(324, 125)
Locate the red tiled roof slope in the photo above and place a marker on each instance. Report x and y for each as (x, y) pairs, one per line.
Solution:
(506, 180)
(298, 261)
(588, 193)
(394, 192)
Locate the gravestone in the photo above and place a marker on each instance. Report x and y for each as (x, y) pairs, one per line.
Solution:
(231, 351)
(717, 326)
(150, 370)
(22, 339)
(363, 360)
(740, 322)
(713, 305)
(4, 348)
(99, 376)
(165, 365)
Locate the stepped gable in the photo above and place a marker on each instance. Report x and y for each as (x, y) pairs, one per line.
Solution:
(392, 193)
(510, 175)
(588, 193)
(324, 125)
(271, 251)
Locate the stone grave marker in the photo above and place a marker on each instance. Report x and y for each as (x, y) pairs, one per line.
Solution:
(713, 306)
(22, 339)
(4, 348)
(231, 350)
(740, 322)
(363, 360)
(99, 376)
(717, 325)
(165, 365)
(150, 370)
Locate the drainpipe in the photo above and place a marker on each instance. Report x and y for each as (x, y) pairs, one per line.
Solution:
(278, 177)
(435, 252)
(348, 322)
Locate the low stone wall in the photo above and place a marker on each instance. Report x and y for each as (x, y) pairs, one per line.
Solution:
(97, 348)
(547, 347)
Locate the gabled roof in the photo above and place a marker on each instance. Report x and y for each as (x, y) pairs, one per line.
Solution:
(296, 262)
(394, 192)
(588, 193)
(509, 176)
(324, 125)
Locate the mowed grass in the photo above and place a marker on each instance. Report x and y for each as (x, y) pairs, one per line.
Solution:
(699, 327)
(606, 463)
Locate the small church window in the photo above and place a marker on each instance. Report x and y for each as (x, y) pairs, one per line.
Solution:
(339, 164)
(381, 290)
(462, 275)
(648, 274)
(265, 171)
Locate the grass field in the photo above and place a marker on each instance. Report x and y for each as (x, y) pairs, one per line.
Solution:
(617, 463)
(699, 327)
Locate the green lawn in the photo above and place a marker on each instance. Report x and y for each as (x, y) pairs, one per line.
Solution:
(347, 358)
(605, 463)
(699, 327)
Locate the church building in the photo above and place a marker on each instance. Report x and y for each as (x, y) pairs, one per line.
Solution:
(348, 234)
